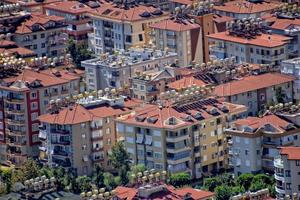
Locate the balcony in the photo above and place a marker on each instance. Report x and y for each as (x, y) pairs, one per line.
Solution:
(61, 162)
(15, 122)
(60, 153)
(97, 149)
(97, 138)
(278, 163)
(177, 138)
(61, 142)
(279, 177)
(279, 189)
(57, 131)
(14, 100)
(15, 111)
(64, 91)
(95, 128)
(173, 161)
(15, 132)
(177, 149)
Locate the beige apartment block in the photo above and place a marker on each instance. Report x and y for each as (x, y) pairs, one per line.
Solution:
(186, 136)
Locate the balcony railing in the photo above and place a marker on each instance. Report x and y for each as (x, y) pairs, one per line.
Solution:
(60, 153)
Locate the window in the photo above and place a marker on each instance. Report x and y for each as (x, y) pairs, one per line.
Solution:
(83, 135)
(35, 127)
(42, 35)
(34, 37)
(34, 116)
(43, 45)
(246, 152)
(157, 143)
(130, 140)
(34, 105)
(107, 131)
(287, 173)
(140, 37)
(83, 147)
(235, 97)
(288, 186)
(297, 162)
(33, 95)
(82, 125)
(157, 155)
(35, 46)
(35, 138)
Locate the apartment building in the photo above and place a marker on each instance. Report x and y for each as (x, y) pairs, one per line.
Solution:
(261, 49)
(287, 174)
(240, 9)
(185, 83)
(75, 15)
(182, 36)
(43, 34)
(12, 49)
(30, 5)
(148, 85)
(115, 70)
(122, 25)
(80, 136)
(288, 26)
(186, 136)
(291, 67)
(257, 91)
(255, 142)
(10, 17)
(23, 98)
(160, 191)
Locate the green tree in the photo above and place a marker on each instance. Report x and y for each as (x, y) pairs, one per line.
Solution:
(98, 177)
(6, 177)
(119, 157)
(237, 190)
(223, 192)
(84, 183)
(30, 169)
(257, 185)
(179, 179)
(211, 183)
(137, 168)
(245, 180)
(279, 95)
(124, 176)
(109, 181)
(78, 52)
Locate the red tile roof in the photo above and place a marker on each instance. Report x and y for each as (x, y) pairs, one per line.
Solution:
(257, 123)
(111, 12)
(74, 115)
(281, 24)
(221, 18)
(251, 83)
(263, 40)
(23, 51)
(36, 18)
(171, 193)
(173, 25)
(78, 114)
(185, 82)
(6, 43)
(246, 7)
(71, 7)
(157, 117)
(293, 153)
(185, 2)
(44, 76)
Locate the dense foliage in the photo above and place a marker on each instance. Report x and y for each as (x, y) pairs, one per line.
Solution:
(78, 52)
(225, 185)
